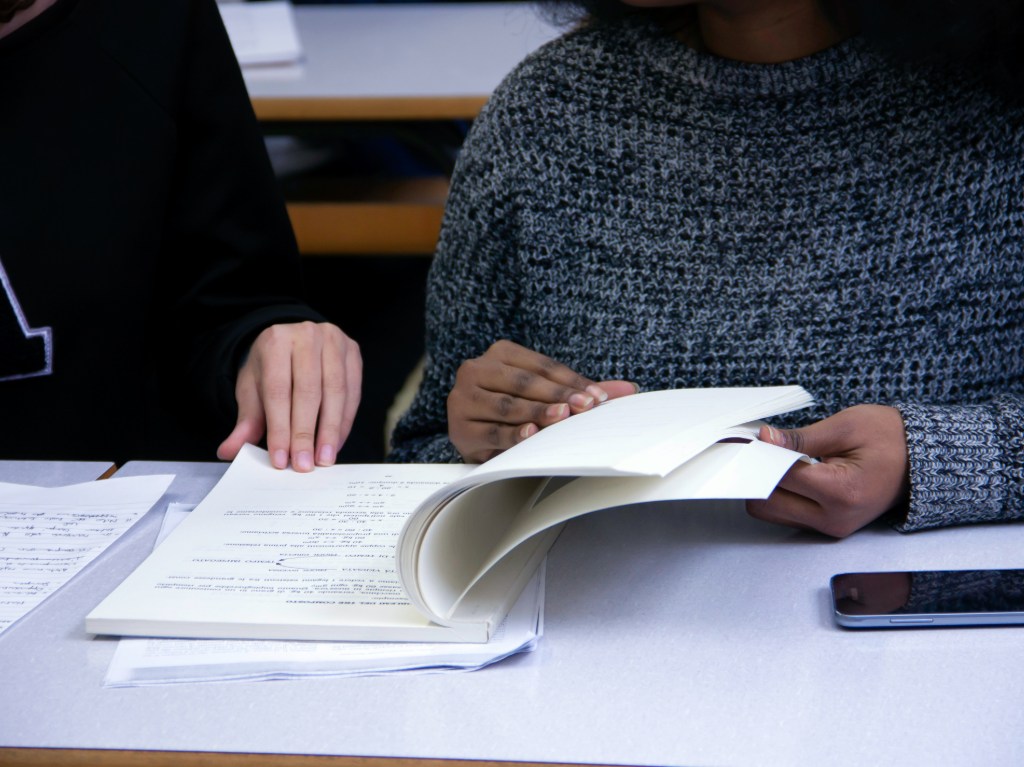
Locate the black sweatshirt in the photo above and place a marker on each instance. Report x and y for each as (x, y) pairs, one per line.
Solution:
(143, 241)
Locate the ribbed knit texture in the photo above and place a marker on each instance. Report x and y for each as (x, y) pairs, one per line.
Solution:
(641, 211)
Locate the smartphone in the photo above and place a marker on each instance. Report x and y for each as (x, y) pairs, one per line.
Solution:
(928, 598)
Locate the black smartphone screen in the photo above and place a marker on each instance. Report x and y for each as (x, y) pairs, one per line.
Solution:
(929, 597)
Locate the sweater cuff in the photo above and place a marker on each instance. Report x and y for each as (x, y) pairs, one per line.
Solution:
(955, 466)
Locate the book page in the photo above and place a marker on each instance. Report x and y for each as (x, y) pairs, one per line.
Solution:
(726, 470)
(515, 537)
(280, 555)
(644, 434)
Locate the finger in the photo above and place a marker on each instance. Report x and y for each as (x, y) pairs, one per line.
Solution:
(795, 510)
(481, 405)
(532, 386)
(827, 482)
(353, 389)
(784, 507)
(246, 431)
(250, 424)
(275, 389)
(616, 389)
(486, 440)
(332, 428)
(307, 394)
(831, 436)
(516, 356)
(508, 368)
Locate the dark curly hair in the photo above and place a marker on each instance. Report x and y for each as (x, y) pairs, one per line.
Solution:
(988, 34)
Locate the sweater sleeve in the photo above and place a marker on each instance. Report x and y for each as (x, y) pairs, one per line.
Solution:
(966, 463)
(472, 287)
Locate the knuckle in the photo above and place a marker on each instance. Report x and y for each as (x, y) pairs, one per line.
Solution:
(329, 428)
(797, 440)
(469, 370)
(521, 380)
(505, 405)
(302, 438)
(493, 435)
(276, 391)
(307, 391)
(454, 400)
(500, 347)
(334, 383)
(547, 364)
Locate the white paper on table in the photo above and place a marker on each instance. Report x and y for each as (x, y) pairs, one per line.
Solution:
(48, 534)
(262, 33)
(139, 662)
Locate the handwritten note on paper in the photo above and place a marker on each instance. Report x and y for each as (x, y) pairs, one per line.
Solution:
(48, 534)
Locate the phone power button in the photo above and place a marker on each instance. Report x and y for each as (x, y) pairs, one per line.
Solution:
(910, 621)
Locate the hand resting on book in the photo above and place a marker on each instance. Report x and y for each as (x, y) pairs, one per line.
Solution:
(510, 392)
(861, 475)
(300, 385)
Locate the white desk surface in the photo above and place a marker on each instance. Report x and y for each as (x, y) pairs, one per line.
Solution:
(407, 50)
(52, 473)
(672, 637)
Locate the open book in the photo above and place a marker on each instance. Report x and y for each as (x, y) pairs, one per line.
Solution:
(433, 552)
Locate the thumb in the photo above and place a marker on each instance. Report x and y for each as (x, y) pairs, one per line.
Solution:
(814, 441)
(794, 439)
(247, 430)
(251, 423)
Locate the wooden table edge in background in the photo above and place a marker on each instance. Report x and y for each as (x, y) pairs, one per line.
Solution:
(352, 108)
(384, 225)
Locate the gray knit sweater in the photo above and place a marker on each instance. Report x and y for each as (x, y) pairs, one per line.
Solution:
(641, 211)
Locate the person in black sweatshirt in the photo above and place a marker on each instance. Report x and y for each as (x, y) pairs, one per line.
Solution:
(150, 275)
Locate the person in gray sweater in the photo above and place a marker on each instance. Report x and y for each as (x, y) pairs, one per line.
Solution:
(741, 193)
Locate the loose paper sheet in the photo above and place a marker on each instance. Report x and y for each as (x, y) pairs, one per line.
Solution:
(141, 662)
(48, 534)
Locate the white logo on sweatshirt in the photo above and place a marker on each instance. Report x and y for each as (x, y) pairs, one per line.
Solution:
(25, 352)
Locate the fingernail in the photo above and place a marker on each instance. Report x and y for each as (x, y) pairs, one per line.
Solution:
(528, 430)
(598, 393)
(280, 459)
(777, 437)
(327, 455)
(304, 461)
(582, 401)
(556, 411)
